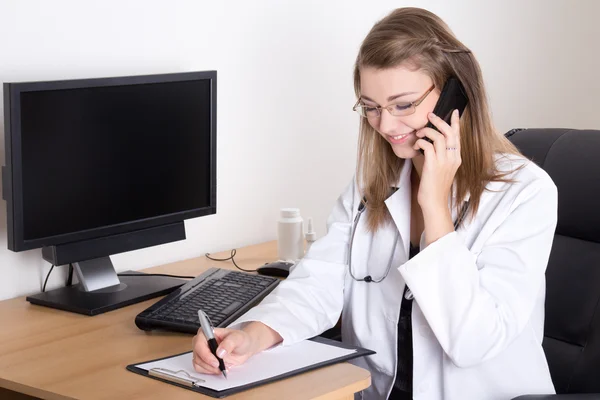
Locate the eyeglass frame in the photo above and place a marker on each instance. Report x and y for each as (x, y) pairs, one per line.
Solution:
(412, 104)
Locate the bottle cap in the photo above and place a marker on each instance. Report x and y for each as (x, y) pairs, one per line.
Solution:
(290, 212)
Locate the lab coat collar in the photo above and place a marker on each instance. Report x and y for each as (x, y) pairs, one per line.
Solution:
(398, 204)
(405, 179)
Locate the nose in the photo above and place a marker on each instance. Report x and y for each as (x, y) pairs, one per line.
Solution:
(387, 122)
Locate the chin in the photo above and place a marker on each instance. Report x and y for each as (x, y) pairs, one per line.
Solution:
(405, 152)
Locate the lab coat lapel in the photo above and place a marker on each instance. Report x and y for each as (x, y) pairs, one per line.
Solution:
(398, 204)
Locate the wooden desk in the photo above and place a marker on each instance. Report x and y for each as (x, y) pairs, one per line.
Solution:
(52, 354)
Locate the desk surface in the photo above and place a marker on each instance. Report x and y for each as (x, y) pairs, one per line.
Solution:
(54, 354)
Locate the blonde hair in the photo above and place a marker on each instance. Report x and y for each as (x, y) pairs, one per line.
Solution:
(420, 39)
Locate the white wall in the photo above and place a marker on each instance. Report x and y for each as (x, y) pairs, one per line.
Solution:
(285, 90)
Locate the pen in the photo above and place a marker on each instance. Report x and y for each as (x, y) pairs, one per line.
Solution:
(210, 337)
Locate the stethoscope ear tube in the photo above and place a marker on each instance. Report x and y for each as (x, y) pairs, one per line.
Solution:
(362, 205)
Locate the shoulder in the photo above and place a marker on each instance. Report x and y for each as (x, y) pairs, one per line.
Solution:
(347, 200)
(526, 200)
(522, 172)
(524, 181)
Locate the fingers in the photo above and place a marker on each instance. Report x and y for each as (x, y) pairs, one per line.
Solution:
(232, 340)
(203, 360)
(220, 333)
(202, 367)
(455, 121)
(450, 132)
(233, 350)
(427, 148)
(440, 124)
(439, 141)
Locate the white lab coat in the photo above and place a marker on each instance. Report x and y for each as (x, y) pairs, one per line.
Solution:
(478, 309)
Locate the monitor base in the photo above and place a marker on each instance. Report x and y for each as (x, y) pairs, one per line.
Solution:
(133, 289)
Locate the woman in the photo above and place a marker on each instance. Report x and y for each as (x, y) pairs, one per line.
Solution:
(445, 275)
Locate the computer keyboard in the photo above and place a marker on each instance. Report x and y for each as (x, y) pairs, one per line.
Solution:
(224, 295)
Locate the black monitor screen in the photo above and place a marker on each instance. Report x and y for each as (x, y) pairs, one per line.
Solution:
(99, 156)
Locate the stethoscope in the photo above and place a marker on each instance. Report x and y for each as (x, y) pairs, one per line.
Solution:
(368, 279)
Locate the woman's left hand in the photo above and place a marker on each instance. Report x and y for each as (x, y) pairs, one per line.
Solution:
(442, 159)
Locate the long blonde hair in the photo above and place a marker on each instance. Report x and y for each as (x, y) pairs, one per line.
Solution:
(420, 39)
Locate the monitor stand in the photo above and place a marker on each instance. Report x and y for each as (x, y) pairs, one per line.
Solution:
(100, 289)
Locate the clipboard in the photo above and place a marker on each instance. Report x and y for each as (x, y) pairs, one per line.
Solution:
(194, 382)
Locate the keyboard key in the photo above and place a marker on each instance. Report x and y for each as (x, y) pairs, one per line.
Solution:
(234, 306)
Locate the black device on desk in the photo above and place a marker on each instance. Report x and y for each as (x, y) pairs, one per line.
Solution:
(222, 294)
(277, 268)
(96, 167)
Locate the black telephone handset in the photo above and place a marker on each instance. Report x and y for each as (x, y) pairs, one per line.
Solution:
(452, 98)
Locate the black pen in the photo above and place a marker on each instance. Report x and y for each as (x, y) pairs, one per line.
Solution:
(208, 329)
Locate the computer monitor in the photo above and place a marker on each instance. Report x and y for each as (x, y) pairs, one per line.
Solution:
(96, 167)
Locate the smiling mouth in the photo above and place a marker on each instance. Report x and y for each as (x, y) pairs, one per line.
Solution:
(399, 137)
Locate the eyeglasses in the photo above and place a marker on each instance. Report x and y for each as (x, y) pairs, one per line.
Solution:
(397, 110)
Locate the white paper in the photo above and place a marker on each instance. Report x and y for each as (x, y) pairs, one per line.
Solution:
(264, 365)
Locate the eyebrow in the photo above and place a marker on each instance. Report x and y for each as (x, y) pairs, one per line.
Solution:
(391, 98)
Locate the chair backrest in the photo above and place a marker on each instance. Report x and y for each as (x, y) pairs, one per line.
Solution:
(572, 324)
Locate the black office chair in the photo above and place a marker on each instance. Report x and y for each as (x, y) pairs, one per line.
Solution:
(572, 325)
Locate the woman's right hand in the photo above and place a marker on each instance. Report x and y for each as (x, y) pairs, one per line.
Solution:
(235, 347)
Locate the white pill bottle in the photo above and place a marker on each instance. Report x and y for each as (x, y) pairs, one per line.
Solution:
(290, 235)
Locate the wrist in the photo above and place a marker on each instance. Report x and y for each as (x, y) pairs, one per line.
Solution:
(251, 330)
(438, 223)
(435, 210)
(261, 336)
